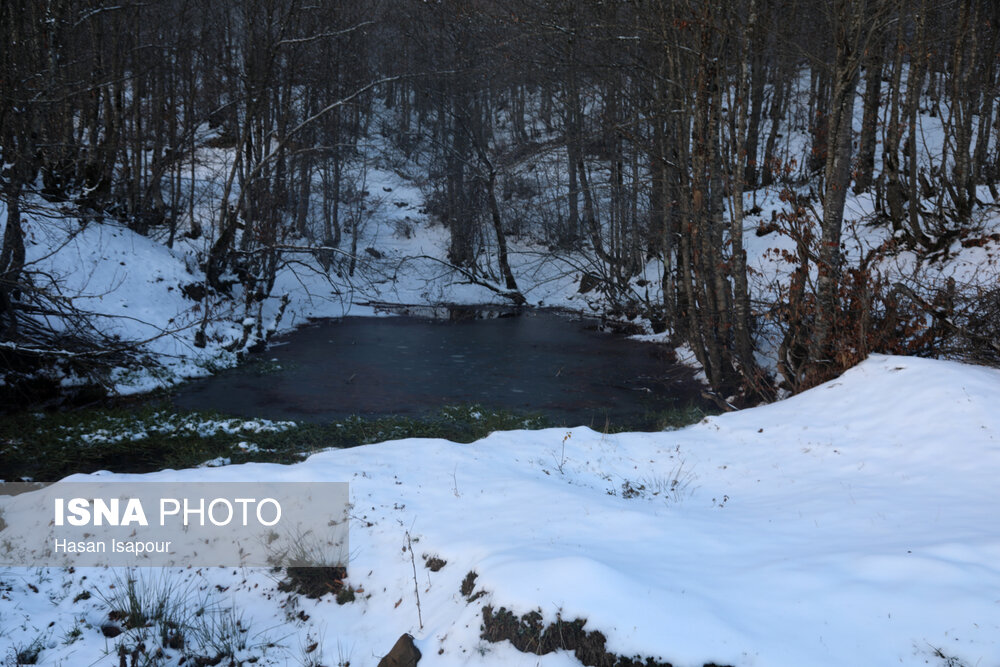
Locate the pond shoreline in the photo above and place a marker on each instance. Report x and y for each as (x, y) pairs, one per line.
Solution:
(573, 367)
(90, 398)
(461, 312)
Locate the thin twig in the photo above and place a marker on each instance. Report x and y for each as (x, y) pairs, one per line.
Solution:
(416, 586)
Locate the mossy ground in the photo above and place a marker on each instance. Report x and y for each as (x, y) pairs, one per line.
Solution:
(47, 446)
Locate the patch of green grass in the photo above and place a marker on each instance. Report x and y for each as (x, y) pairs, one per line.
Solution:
(46, 447)
(49, 446)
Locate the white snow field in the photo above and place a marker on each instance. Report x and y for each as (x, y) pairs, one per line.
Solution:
(853, 524)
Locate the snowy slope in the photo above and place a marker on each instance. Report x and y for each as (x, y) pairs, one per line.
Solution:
(854, 524)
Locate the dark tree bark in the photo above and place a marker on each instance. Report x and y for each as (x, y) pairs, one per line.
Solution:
(854, 24)
(869, 122)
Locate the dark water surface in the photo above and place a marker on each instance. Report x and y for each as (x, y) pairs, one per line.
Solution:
(532, 362)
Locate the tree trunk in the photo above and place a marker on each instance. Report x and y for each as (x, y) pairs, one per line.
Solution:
(11, 261)
(869, 122)
(837, 178)
(741, 154)
(508, 276)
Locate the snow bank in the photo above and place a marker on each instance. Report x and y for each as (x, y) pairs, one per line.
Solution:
(853, 524)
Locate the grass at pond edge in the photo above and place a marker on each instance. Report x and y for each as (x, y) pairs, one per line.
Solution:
(46, 447)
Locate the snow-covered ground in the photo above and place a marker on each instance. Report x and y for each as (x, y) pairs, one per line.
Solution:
(853, 524)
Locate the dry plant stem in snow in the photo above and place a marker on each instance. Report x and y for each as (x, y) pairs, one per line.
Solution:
(416, 586)
(562, 454)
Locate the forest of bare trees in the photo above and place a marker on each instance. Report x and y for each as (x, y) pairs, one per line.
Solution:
(616, 133)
